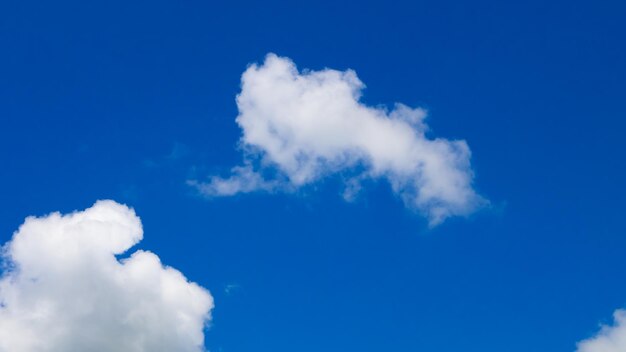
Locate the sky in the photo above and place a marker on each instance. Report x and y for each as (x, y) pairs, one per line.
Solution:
(325, 176)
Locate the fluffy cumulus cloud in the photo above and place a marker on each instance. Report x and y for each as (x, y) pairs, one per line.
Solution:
(609, 339)
(64, 289)
(305, 126)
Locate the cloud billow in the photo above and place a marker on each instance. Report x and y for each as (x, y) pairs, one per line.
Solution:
(309, 125)
(609, 339)
(63, 289)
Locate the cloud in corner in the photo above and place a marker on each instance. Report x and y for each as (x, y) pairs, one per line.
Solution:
(609, 339)
(305, 126)
(63, 289)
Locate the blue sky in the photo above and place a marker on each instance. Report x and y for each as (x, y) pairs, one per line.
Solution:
(128, 101)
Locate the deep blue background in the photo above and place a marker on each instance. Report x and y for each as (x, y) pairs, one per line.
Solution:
(128, 99)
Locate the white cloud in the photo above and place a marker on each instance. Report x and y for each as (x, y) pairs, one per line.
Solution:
(63, 289)
(305, 126)
(243, 180)
(609, 339)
